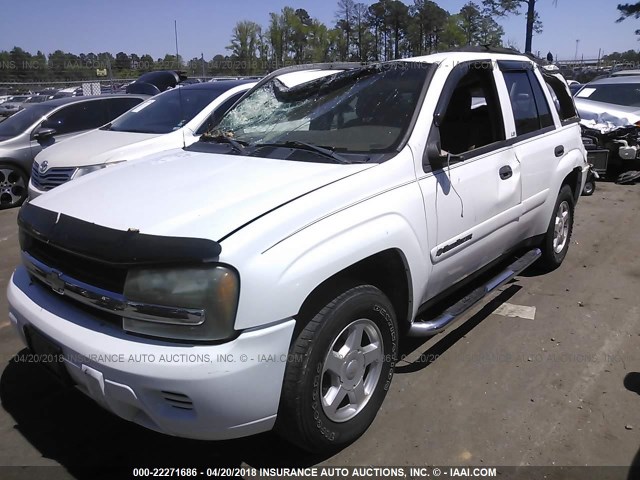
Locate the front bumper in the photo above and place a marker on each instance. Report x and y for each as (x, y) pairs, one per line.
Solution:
(208, 392)
(33, 191)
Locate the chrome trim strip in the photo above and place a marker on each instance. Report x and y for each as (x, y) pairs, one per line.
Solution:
(110, 301)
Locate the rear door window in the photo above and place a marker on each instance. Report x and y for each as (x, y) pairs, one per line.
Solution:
(530, 109)
(78, 116)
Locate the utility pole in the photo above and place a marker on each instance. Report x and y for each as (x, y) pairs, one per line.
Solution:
(202, 58)
(575, 57)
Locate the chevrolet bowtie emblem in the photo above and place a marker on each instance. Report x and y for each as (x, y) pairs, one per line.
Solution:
(55, 282)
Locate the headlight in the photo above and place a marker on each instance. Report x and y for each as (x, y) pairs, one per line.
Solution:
(81, 171)
(185, 304)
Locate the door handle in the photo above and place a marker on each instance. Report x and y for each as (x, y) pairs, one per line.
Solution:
(505, 172)
(559, 151)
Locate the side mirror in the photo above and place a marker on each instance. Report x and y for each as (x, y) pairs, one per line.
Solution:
(42, 134)
(432, 158)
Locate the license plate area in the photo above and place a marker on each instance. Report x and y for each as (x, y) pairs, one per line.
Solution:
(47, 354)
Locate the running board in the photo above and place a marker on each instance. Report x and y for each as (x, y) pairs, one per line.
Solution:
(438, 324)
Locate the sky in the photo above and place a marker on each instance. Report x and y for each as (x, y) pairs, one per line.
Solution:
(147, 26)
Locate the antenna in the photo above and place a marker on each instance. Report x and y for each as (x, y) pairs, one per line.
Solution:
(175, 30)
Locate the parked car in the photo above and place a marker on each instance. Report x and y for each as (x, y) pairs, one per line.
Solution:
(152, 83)
(617, 97)
(610, 113)
(36, 99)
(625, 73)
(172, 119)
(4, 95)
(575, 87)
(264, 276)
(26, 133)
(13, 105)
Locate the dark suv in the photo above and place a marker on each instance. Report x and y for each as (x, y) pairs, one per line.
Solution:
(27, 132)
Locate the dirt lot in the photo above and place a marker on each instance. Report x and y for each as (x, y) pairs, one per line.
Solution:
(562, 388)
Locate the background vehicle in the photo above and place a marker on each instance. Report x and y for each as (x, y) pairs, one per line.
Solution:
(13, 105)
(26, 133)
(610, 98)
(171, 119)
(152, 83)
(36, 99)
(324, 216)
(610, 115)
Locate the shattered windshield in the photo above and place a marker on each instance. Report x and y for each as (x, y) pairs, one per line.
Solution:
(365, 110)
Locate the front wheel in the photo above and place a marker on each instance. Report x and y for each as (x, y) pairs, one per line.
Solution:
(340, 370)
(13, 186)
(556, 241)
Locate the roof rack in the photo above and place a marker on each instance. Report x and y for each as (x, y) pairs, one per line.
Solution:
(488, 49)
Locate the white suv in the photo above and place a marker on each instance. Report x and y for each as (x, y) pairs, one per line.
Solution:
(263, 276)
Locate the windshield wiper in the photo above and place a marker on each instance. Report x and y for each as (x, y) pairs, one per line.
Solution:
(238, 146)
(106, 127)
(325, 152)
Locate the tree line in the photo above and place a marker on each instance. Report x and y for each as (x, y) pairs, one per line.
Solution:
(385, 30)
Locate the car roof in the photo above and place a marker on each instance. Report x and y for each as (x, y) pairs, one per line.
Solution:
(221, 85)
(625, 73)
(617, 80)
(463, 56)
(57, 102)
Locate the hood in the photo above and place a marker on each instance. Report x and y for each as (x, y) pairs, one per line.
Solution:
(93, 148)
(607, 112)
(190, 194)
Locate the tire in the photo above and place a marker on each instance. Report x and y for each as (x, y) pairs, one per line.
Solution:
(317, 379)
(558, 237)
(589, 188)
(13, 186)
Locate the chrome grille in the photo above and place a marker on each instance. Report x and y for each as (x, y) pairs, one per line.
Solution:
(51, 178)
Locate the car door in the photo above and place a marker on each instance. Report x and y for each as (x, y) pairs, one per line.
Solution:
(537, 142)
(471, 178)
(70, 120)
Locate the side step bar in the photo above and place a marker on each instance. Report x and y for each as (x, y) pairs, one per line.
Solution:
(438, 324)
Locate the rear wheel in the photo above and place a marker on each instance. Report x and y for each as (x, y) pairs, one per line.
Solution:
(13, 186)
(340, 370)
(558, 236)
(589, 188)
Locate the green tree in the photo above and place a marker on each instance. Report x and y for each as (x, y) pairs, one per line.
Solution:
(344, 17)
(123, 62)
(629, 10)
(398, 18)
(513, 7)
(478, 27)
(244, 45)
(427, 24)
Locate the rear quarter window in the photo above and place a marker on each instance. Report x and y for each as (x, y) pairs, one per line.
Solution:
(562, 99)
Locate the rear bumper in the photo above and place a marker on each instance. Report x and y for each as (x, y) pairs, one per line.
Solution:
(208, 392)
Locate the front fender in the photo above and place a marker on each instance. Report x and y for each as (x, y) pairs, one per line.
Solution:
(275, 283)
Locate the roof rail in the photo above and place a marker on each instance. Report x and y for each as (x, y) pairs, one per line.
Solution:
(487, 48)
